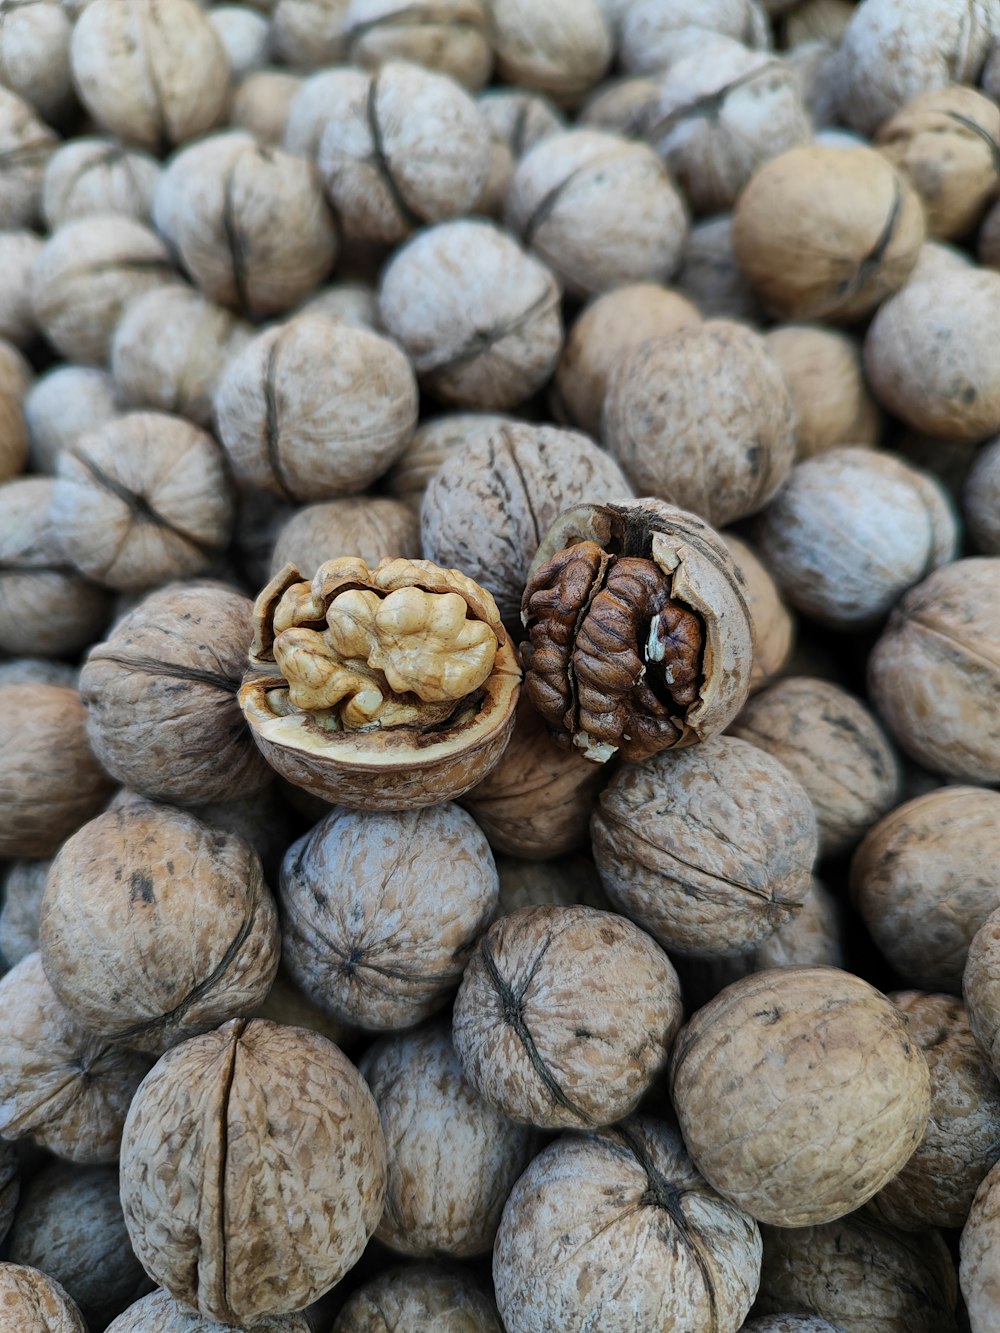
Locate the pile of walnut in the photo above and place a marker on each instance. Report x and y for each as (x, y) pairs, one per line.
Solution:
(499, 666)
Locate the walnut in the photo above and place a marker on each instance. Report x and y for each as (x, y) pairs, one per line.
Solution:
(18, 252)
(936, 1186)
(245, 38)
(981, 499)
(382, 910)
(935, 671)
(432, 442)
(368, 526)
(308, 34)
(142, 499)
(929, 359)
(430, 690)
(31, 1300)
(517, 120)
(15, 377)
(606, 329)
(639, 636)
(479, 318)
(538, 799)
(70, 1226)
(561, 882)
(618, 1230)
(789, 1323)
(253, 1170)
(817, 22)
(452, 36)
(831, 400)
(827, 233)
(851, 531)
(45, 606)
(430, 1114)
(26, 144)
(87, 272)
(854, 1094)
(599, 209)
(859, 1273)
(50, 782)
(87, 176)
(23, 886)
(160, 1313)
(247, 222)
(177, 913)
(400, 148)
(702, 417)
(562, 49)
(34, 56)
(657, 33)
(62, 405)
(313, 409)
(489, 504)
(771, 621)
(353, 303)
(261, 103)
(66, 1088)
(151, 72)
(565, 1015)
(710, 277)
(170, 349)
(621, 106)
(419, 1296)
(38, 671)
(309, 108)
(829, 741)
(978, 1255)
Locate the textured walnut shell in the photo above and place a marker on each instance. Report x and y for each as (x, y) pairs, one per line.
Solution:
(416, 1297)
(261, 103)
(981, 500)
(390, 769)
(861, 1274)
(656, 33)
(308, 34)
(562, 49)
(433, 441)
(716, 869)
(562, 882)
(926, 877)
(97, 175)
(160, 1313)
(854, 1093)
(50, 782)
(710, 277)
(452, 37)
(370, 526)
(70, 1226)
(31, 1300)
(565, 1016)
(979, 1270)
(771, 621)
(981, 988)
(253, 1170)
(65, 1088)
(935, 672)
(829, 741)
(827, 384)
(382, 910)
(62, 405)
(26, 144)
(155, 927)
(618, 1231)
(827, 233)
(430, 1114)
(23, 886)
(935, 1188)
(34, 56)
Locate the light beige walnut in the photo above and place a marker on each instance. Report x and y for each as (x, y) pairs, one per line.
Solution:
(15, 378)
(981, 499)
(354, 303)
(141, 500)
(817, 21)
(245, 36)
(261, 103)
(561, 49)
(702, 418)
(432, 441)
(621, 106)
(309, 34)
(279, 1180)
(830, 741)
(34, 56)
(859, 1273)
(477, 316)
(26, 144)
(155, 926)
(935, 671)
(657, 33)
(30, 1299)
(50, 781)
(370, 526)
(929, 359)
(619, 1230)
(605, 330)
(978, 1269)
(560, 882)
(832, 402)
(773, 623)
(419, 1296)
(92, 175)
(710, 276)
(62, 405)
(18, 252)
(160, 1313)
(716, 870)
(151, 72)
(314, 410)
(827, 233)
(565, 1016)
(59, 1085)
(832, 1094)
(23, 886)
(431, 1115)
(517, 120)
(452, 37)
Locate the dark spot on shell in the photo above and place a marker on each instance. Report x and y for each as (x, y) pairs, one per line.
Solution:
(141, 887)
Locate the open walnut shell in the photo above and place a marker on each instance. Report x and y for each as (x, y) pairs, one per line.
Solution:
(639, 635)
(380, 689)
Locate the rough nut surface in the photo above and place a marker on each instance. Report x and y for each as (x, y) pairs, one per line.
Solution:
(419, 1296)
(31, 1300)
(160, 1313)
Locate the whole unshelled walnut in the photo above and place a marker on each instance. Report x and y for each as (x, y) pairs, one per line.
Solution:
(18, 251)
(94, 175)
(34, 56)
(981, 499)
(370, 526)
(978, 1269)
(432, 442)
(10, 1184)
(382, 911)
(261, 103)
(562, 48)
(825, 378)
(380, 689)
(31, 1300)
(657, 33)
(619, 1231)
(308, 34)
(565, 1016)
(639, 636)
(827, 233)
(452, 37)
(313, 410)
(15, 379)
(248, 223)
(934, 674)
(855, 1093)
(419, 1296)
(26, 144)
(771, 621)
(62, 405)
(479, 318)
(599, 209)
(703, 418)
(151, 72)
(23, 886)
(621, 106)
(253, 1170)
(710, 276)
(245, 37)
(160, 1313)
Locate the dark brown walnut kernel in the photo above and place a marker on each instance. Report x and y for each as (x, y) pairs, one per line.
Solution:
(639, 635)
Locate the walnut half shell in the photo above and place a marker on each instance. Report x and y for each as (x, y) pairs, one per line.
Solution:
(639, 636)
(380, 689)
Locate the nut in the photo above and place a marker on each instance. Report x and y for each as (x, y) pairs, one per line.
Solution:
(561, 50)
(657, 33)
(89, 176)
(23, 887)
(432, 442)
(368, 526)
(419, 1296)
(452, 36)
(981, 499)
(26, 144)
(978, 1251)
(307, 34)
(31, 1300)
(772, 622)
(18, 252)
(62, 405)
(160, 1313)
(831, 400)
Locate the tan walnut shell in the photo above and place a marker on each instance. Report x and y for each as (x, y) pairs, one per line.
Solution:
(448, 737)
(29, 1300)
(253, 1170)
(160, 1313)
(419, 1296)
